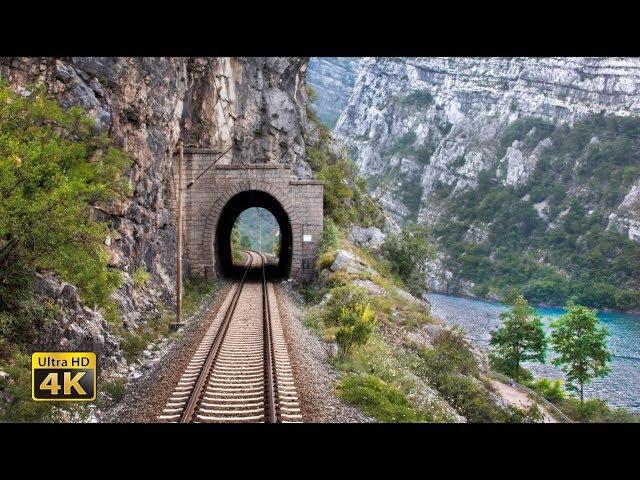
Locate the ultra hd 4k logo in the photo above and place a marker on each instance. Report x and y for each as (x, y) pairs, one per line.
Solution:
(63, 376)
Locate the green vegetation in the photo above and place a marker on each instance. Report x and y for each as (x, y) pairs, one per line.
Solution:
(581, 345)
(418, 99)
(52, 169)
(135, 342)
(407, 252)
(346, 199)
(355, 324)
(55, 174)
(528, 130)
(551, 390)
(378, 399)
(596, 411)
(520, 338)
(194, 292)
(404, 145)
(140, 277)
(115, 388)
(577, 259)
(236, 246)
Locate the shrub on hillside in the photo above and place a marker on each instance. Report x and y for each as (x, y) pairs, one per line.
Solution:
(550, 389)
(596, 411)
(377, 398)
(407, 253)
(355, 326)
(346, 199)
(140, 277)
(53, 170)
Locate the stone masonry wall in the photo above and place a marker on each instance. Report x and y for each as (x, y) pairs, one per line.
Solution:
(204, 201)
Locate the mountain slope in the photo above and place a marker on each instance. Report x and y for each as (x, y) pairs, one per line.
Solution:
(493, 153)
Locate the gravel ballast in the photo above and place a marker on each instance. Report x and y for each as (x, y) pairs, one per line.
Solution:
(147, 395)
(314, 377)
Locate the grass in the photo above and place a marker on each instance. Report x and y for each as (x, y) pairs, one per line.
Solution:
(140, 277)
(115, 388)
(595, 411)
(134, 343)
(194, 292)
(378, 399)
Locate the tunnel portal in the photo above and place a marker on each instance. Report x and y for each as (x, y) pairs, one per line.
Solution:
(222, 192)
(230, 213)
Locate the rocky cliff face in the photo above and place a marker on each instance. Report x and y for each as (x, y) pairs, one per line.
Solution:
(426, 130)
(146, 105)
(332, 78)
(440, 120)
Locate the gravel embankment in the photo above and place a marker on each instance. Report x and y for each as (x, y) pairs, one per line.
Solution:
(147, 396)
(315, 378)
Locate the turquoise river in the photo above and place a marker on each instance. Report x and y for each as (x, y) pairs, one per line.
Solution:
(620, 388)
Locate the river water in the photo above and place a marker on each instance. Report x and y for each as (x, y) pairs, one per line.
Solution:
(620, 388)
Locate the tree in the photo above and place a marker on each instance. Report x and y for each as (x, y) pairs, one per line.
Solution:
(520, 338)
(581, 345)
(407, 252)
(53, 170)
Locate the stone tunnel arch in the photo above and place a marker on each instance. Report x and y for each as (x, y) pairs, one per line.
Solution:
(228, 216)
(212, 189)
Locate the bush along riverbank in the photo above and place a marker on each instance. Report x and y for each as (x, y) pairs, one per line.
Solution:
(397, 363)
(579, 342)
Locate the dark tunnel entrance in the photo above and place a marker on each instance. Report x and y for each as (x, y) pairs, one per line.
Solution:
(230, 213)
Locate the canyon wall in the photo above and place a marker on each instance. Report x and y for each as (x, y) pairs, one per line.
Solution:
(426, 130)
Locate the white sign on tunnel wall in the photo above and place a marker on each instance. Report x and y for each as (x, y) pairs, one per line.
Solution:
(307, 238)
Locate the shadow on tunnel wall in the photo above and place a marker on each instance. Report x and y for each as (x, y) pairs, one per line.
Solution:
(234, 207)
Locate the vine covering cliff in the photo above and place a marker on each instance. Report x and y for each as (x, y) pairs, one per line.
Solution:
(541, 141)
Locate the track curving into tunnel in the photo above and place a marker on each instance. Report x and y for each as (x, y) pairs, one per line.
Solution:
(230, 213)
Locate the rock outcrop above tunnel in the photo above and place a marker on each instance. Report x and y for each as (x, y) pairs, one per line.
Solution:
(145, 105)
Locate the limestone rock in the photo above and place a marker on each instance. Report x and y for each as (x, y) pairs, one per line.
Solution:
(369, 286)
(371, 237)
(350, 263)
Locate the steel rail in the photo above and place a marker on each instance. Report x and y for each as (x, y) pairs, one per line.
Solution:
(270, 386)
(196, 393)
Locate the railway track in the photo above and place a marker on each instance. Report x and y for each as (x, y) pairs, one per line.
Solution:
(241, 370)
